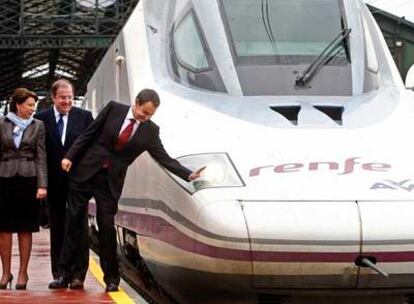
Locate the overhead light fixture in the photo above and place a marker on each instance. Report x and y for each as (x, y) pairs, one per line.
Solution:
(60, 70)
(95, 3)
(37, 71)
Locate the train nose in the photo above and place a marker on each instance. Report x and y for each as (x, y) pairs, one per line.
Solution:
(310, 244)
(303, 244)
(282, 244)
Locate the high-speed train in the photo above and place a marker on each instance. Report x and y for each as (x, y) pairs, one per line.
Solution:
(300, 115)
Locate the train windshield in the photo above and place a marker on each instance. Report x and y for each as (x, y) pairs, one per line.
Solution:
(289, 31)
(258, 47)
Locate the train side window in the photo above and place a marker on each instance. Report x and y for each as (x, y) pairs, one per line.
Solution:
(191, 61)
(188, 46)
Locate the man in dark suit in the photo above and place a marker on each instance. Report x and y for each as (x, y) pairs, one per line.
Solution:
(100, 158)
(64, 123)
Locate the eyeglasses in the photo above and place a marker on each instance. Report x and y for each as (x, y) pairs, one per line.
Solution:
(63, 97)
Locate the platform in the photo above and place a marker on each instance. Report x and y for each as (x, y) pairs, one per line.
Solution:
(40, 276)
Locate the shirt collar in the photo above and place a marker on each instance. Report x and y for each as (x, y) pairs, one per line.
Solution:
(57, 113)
(131, 116)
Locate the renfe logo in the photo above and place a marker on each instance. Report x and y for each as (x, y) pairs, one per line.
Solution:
(348, 167)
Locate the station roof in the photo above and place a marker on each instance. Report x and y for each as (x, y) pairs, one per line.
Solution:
(43, 40)
(393, 24)
(399, 35)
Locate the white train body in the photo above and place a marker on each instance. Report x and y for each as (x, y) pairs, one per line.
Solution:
(301, 181)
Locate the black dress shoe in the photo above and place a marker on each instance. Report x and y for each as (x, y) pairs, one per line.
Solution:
(111, 287)
(76, 284)
(60, 282)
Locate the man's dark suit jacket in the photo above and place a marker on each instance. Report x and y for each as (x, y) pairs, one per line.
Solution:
(78, 121)
(97, 145)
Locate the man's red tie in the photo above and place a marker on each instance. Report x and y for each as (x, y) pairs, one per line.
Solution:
(123, 138)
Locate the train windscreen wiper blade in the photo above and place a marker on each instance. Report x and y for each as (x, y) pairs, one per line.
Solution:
(303, 78)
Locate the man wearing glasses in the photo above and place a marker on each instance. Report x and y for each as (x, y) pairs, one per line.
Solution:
(64, 123)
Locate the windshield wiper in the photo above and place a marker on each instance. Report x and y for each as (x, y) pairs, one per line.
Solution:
(303, 78)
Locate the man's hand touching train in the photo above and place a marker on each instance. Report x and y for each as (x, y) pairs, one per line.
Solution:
(196, 174)
(66, 164)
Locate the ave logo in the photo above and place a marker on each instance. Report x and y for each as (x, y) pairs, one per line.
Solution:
(405, 185)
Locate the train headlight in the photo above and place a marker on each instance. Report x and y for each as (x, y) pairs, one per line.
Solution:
(214, 173)
(219, 172)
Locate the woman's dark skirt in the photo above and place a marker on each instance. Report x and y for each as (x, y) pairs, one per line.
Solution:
(19, 208)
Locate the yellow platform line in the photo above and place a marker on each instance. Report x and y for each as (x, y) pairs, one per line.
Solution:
(120, 296)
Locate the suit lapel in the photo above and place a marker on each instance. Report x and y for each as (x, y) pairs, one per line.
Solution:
(8, 129)
(138, 135)
(70, 124)
(119, 122)
(28, 132)
(53, 125)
